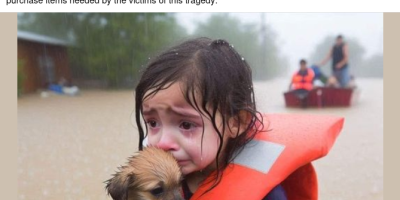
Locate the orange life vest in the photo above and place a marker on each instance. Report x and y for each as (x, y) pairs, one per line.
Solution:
(303, 82)
(281, 154)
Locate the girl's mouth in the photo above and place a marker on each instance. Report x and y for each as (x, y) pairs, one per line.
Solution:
(183, 162)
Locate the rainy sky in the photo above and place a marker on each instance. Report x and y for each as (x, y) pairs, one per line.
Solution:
(299, 33)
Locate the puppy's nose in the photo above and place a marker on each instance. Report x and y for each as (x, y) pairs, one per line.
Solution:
(178, 195)
(175, 194)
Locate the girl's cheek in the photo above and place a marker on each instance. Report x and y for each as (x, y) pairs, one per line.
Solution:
(153, 131)
(153, 140)
(153, 135)
(192, 135)
(153, 128)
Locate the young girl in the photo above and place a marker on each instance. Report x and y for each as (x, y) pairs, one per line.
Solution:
(197, 102)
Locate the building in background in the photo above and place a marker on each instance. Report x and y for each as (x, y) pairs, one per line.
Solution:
(44, 60)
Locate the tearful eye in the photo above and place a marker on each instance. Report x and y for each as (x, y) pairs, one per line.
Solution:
(186, 125)
(157, 191)
(152, 123)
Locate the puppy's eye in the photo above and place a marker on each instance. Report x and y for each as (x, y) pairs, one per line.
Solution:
(157, 191)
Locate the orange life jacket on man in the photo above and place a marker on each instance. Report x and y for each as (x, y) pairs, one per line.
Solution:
(303, 81)
(280, 154)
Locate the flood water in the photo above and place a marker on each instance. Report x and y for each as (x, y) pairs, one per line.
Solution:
(68, 146)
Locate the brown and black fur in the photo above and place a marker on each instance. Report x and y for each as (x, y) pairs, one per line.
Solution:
(151, 174)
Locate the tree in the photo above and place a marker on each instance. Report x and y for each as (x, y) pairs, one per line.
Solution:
(246, 38)
(372, 67)
(58, 25)
(108, 46)
(359, 66)
(356, 53)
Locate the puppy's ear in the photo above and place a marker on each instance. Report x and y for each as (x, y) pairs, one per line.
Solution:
(117, 187)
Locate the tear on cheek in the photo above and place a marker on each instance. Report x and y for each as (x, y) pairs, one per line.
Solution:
(190, 138)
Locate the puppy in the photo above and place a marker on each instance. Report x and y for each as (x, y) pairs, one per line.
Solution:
(151, 174)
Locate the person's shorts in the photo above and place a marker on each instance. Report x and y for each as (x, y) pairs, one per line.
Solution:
(343, 76)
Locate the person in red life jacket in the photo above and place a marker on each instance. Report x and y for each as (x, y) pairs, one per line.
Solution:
(303, 78)
(302, 81)
(196, 101)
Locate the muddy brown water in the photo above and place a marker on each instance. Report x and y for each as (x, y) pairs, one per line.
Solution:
(68, 146)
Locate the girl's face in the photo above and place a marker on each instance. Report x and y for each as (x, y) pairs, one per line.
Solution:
(175, 126)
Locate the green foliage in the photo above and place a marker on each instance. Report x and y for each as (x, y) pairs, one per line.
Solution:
(107, 46)
(359, 66)
(114, 46)
(20, 77)
(247, 40)
(372, 67)
(356, 53)
(58, 25)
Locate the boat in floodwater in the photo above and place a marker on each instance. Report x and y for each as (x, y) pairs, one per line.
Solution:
(323, 97)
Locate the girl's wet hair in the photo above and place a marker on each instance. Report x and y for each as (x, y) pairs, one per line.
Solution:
(214, 79)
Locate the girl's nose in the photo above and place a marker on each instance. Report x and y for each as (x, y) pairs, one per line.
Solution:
(167, 142)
